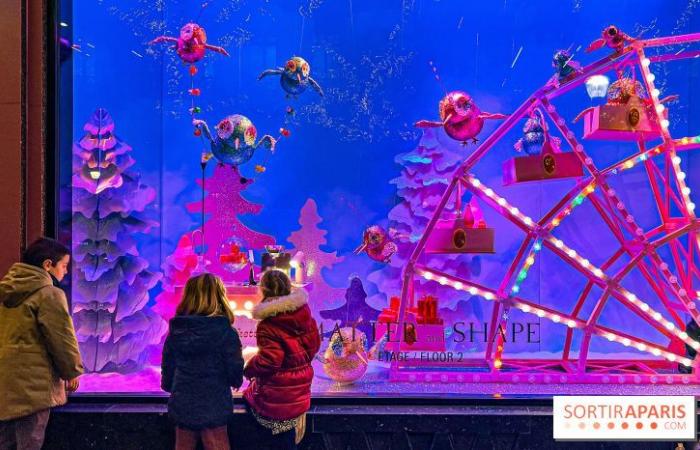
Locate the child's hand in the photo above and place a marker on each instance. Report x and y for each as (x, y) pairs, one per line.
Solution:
(72, 385)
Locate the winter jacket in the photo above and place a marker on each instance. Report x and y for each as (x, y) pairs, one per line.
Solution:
(201, 361)
(281, 371)
(38, 347)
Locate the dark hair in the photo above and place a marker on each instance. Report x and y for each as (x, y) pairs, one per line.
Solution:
(43, 249)
(275, 283)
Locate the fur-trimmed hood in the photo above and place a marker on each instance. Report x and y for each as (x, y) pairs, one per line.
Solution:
(275, 306)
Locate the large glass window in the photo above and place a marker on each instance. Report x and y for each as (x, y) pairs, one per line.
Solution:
(319, 138)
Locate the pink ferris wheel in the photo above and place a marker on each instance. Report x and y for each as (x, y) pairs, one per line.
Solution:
(666, 256)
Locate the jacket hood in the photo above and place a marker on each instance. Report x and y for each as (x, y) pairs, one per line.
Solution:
(20, 282)
(289, 312)
(197, 334)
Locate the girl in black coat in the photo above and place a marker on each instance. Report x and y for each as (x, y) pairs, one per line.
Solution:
(201, 362)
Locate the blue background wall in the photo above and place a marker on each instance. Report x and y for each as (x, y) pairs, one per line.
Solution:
(371, 58)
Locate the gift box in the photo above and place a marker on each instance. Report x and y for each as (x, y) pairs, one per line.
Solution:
(452, 236)
(633, 121)
(424, 330)
(468, 234)
(545, 166)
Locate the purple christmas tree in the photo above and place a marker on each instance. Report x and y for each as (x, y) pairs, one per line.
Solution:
(425, 174)
(224, 204)
(309, 240)
(354, 309)
(110, 281)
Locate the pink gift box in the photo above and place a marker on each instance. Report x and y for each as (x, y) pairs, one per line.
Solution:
(545, 166)
(452, 236)
(632, 121)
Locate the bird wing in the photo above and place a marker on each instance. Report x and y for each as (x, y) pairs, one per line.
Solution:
(267, 72)
(427, 124)
(316, 86)
(595, 45)
(487, 116)
(217, 49)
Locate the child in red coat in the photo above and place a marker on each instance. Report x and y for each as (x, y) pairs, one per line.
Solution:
(280, 390)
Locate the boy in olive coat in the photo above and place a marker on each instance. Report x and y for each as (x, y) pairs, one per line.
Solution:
(39, 356)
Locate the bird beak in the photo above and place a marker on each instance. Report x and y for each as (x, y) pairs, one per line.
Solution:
(237, 143)
(447, 119)
(361, 248)
(299, 78)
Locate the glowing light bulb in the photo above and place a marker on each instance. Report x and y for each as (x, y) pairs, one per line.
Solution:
(665, 123)
(656, 352)
(442, 280)
(540, 313)
(555, 318)
(646, 62)
(526, 308)
(571, 324)
(641, 347)
(626, 342)
(95, 174)
(676, 160)
(501, 201)
(597, 86)
(651, 77)
(233, 305)
(458, 285)
(475, 182)
(248, 305)
(660, 108)
(488, 191)
(681, 175)
(655, 92)
(489, 296)
(427, 275)
(686, 190)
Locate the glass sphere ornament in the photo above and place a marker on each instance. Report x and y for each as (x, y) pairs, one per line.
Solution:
(233, 255)
(345, 358)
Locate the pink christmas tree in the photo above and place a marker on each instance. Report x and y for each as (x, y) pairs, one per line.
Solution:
(224, 204)
(426, 172)
(309, 239)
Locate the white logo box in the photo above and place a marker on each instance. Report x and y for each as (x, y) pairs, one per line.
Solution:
(629, 418)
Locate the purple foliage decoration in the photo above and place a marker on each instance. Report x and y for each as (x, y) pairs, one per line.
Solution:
(425, 174)
(110, 281)
(355, 307)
